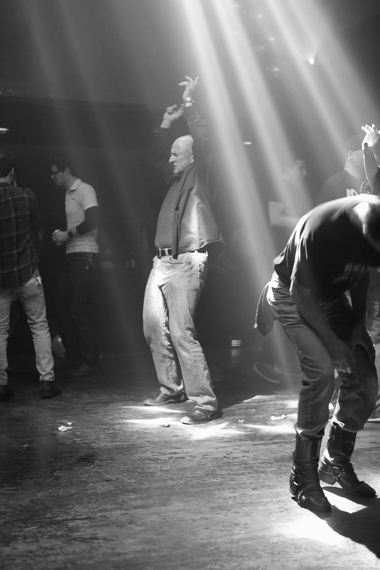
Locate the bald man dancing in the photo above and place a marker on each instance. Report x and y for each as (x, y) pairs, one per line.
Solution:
(185, 227)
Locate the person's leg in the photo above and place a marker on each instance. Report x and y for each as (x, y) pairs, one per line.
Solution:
(317, 375)
(157, 335)
(82, 279)
(317, 372)
(357, 393)
(375, 416)
(277, 362)
(183, 280)
(373, 326)
(32, 298)
(65, 324)
(356, 399)
(5, 308)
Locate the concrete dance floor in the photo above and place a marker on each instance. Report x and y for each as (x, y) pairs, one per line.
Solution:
(95, 480)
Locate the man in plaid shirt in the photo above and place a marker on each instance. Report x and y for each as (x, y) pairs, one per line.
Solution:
(19, 275)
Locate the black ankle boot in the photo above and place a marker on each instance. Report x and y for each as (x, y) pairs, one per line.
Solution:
(335, 465)
(304, 482)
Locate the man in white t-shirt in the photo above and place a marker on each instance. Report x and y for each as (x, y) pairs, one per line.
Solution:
(75, 291)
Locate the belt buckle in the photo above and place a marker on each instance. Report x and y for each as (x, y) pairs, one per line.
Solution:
(163, 251)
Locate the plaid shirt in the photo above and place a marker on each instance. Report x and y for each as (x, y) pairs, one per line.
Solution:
(18, 235)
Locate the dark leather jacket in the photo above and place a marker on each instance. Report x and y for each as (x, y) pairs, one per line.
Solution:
(194, 225)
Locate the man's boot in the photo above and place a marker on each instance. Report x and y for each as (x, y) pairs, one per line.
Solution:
(335, 465)
(304, 482)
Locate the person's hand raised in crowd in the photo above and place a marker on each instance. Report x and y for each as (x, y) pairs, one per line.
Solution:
(372, 135)
(171, 114)
(190, 85)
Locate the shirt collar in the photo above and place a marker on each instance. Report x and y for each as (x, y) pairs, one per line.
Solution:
(75, 185)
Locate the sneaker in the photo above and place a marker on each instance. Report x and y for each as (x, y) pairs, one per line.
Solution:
(267, 372)
(48, 389)
(162, 399)
(375, 417)
(5, 392)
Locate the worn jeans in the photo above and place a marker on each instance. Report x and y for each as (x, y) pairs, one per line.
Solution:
(75, 307)
(358, 390)
(171, 296)
(32, 298)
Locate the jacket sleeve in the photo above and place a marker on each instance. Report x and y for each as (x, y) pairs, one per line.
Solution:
(161, 153)
(201, 146)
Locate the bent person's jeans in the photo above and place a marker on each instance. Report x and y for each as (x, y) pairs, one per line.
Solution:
(32, 299)
(358, 390)
(171, 296)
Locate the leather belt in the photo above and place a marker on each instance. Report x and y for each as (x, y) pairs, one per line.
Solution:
(165, 251)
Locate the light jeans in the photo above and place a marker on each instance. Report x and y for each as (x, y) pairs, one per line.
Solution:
(358, 390)
(171, 296)
(32, 298)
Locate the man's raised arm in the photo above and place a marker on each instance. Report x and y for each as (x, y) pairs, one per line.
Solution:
(161, 141)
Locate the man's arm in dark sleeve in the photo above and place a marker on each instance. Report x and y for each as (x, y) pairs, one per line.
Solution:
(90, 222)
(199, 131)
(162, 142)
(161, 152)
(303, 287)
(360, 334)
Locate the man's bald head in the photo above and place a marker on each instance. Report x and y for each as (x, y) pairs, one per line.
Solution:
(181, 153)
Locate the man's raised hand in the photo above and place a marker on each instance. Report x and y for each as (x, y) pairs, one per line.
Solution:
(371, 135)
(171, 114)
(190, 85)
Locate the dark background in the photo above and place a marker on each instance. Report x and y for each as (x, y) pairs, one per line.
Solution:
(93, 77)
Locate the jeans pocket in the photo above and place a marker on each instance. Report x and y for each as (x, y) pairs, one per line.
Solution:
(180, 259)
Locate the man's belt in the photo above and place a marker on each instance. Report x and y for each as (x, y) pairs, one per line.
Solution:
(164, 251)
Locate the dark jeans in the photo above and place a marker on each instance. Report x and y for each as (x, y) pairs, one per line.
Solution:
(358, 390)
(75, 307)
(373, 321)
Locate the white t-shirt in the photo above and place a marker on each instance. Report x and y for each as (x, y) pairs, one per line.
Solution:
(79, 198)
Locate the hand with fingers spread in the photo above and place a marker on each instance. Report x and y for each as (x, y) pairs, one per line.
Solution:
(372, 135)
(372, 138)
(190, 85)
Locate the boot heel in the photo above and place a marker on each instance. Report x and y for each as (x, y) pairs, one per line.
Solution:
(326, 478)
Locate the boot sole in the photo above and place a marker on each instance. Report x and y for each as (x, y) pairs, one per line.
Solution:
(322, 510)
(147, 403)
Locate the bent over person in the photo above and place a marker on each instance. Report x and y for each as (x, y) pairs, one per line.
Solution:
(19, 275)
(318, 293)
(185, 227)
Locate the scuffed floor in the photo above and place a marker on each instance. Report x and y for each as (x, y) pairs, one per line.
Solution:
(130, 487)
